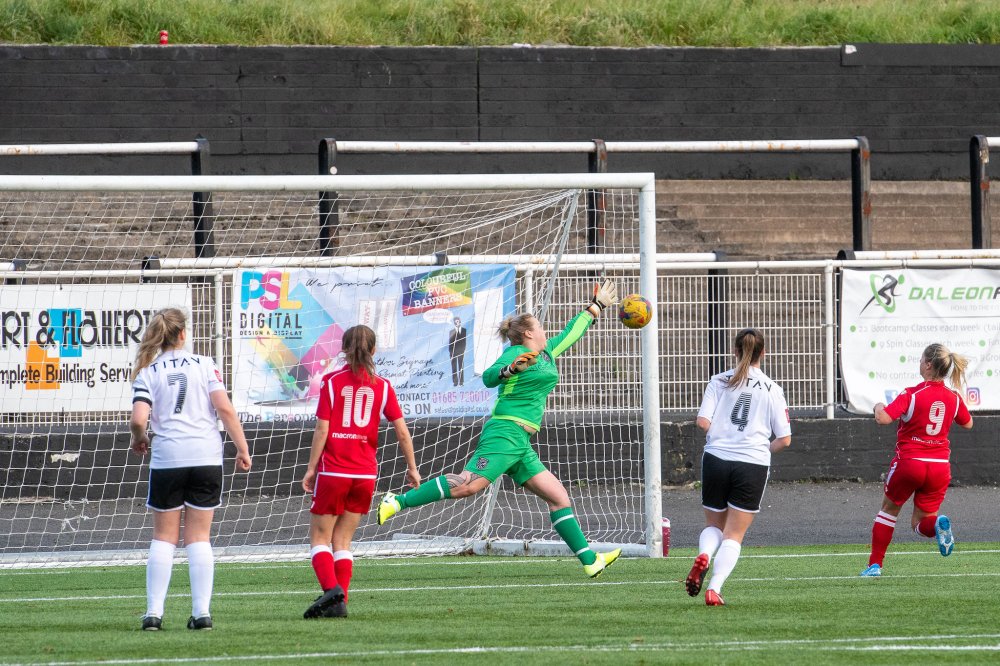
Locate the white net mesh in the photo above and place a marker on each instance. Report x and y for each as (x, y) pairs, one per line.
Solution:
(71, 490)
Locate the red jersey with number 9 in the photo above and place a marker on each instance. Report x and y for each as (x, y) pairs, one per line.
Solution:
(354, 407)
(926, 412)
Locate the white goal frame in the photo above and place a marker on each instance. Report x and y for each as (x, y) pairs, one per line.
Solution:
(642, 183)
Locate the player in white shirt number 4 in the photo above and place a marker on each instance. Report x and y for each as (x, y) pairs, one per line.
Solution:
(741, 411)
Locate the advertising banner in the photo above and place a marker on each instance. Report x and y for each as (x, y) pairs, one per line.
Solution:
(435, 329)
(889, 316)
(71, 347)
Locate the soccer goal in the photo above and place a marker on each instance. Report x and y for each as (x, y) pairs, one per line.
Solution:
(281, 268)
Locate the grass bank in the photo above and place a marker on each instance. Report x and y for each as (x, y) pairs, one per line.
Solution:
(628, 23)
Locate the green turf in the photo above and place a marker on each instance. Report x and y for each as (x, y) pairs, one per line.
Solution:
(786, 609)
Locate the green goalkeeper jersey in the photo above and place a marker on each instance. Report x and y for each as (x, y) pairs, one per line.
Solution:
(522, 396)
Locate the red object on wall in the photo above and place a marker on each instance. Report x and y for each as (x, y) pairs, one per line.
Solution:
(164, 37)
(666, 536)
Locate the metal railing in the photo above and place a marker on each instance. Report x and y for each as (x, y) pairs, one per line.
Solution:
(201, 202)
(597, 162)
(979, 182)
(793, 302)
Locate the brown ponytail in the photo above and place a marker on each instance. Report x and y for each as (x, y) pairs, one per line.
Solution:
(944, 361)
(163, 333)
(513, 328)
(358, 345)
(749, 346)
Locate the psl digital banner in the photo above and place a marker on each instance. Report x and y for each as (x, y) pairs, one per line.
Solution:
(435, 330)
(71, 347)
(888, 317)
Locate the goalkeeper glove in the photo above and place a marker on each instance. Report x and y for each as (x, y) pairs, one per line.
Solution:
(605, 294)
(520, 364)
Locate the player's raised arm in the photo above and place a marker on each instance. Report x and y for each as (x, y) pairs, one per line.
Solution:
(605, 295)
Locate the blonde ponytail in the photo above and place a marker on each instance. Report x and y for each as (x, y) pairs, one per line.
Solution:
(162, 334)
(749, 346)
(945, 362)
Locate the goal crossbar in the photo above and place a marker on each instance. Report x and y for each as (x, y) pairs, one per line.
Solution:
(639, 181)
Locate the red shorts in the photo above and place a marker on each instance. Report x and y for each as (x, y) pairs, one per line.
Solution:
(926, 481)
(335, 494)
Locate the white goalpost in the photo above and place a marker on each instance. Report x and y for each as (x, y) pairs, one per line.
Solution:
(280, 266)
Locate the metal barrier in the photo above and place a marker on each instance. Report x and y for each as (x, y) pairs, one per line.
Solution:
(201, 202)
(979, 182)
(793, 302)
(597, 162)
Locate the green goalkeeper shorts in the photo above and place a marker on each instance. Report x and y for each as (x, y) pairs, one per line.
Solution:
(504, 448)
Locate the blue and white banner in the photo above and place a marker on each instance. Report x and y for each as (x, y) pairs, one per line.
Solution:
(889, 316)
(70, 347)
(435, 327)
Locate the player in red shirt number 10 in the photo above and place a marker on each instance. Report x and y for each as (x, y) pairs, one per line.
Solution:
(343, 467)
(921, 467)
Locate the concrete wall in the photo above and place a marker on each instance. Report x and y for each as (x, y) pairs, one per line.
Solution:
(265, 109)
(100, 466)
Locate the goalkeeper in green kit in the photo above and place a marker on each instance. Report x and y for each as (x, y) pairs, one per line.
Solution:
(525, 373)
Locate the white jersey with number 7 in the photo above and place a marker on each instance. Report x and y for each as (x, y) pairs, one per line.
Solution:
(177, 386)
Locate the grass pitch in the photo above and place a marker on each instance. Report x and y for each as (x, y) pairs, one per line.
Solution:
(784, 605)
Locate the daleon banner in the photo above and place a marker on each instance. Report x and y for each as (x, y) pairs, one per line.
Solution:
(70, 347)
(436, 332)
(889, 316)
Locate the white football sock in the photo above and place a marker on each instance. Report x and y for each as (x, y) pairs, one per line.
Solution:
(709, 541)
(158, 568)
(201, 569)
(725, 562)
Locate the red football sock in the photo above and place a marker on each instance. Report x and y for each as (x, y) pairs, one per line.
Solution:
(322, 561)
(926, 527)
(343, 564)
(881, 536)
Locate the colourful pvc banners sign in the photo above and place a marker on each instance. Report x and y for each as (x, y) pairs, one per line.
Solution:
(435, 328)
(888, 317)
(71, 347)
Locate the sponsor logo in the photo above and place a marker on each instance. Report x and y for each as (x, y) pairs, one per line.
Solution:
(973, 396)
(482, 463)
(270, 289)
(890, 395)
(883, 292)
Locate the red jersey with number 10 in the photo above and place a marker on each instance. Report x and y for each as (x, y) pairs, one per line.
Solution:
(926, 412)
(354, 407)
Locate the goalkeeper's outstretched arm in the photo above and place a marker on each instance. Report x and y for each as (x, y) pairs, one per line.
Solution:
(605, 294)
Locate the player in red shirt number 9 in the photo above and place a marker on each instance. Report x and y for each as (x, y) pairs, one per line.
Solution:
(921, 467)
(342, 465)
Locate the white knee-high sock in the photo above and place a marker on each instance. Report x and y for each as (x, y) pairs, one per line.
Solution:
(158, 568)
(201, 568)
(725, 562)
(709, 541)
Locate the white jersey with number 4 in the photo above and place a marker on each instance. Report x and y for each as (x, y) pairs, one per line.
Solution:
(744, 417)
(178, 386)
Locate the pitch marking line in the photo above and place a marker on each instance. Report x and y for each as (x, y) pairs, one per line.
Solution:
(457, 588)
(830, 644)
(512, 561)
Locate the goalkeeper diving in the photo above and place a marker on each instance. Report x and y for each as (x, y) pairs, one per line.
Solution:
(525, 374)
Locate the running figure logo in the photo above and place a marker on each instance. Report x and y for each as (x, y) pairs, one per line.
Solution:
(884, 295)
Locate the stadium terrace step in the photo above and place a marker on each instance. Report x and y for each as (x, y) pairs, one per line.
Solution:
(809, 219)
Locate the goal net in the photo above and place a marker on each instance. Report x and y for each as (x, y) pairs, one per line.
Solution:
(273, 276)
